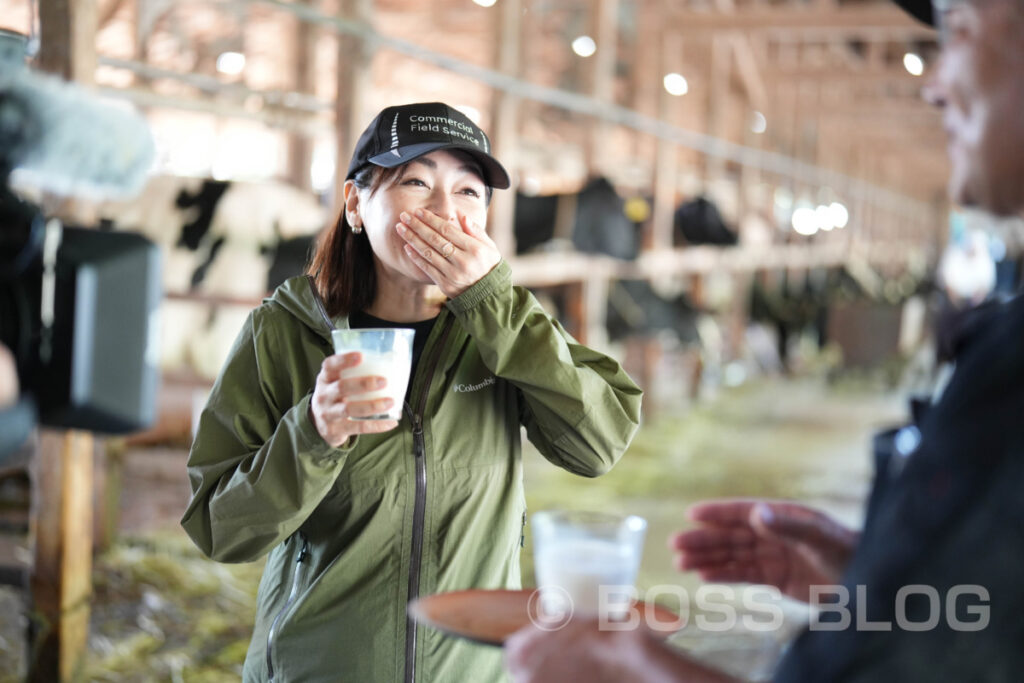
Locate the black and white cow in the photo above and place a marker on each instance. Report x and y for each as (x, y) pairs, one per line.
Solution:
(220, 239)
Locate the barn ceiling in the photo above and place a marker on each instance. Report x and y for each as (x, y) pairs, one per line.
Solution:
(801, 95)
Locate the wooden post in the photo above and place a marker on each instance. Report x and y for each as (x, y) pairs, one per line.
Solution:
(586, 305)
(645, 72)
(607, 16)
(67, 32)
(666, 161)
(505, 123)
(739, 314)
(355, 60)
(718, 102)
(595, 310)
(61, 581)
(106, 495)
(300, 147)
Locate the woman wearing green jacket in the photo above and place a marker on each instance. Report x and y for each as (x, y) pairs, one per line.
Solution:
(358, 517)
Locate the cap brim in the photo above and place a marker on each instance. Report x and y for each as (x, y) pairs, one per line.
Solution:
(495, 174)
(919, 9)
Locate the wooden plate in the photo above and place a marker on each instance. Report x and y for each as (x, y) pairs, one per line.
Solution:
(490, 616)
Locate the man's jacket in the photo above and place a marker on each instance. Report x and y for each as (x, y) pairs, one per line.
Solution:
(354, 533)
(935, 589)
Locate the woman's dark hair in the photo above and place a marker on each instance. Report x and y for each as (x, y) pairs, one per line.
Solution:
(342, 265)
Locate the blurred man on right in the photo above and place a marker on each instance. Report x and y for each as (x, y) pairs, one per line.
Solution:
(933, 588)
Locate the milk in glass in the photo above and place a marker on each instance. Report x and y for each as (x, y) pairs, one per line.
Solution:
(387, 353)
(391, 367)
(576, 569)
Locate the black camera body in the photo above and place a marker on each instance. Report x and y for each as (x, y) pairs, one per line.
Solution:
(83, 326)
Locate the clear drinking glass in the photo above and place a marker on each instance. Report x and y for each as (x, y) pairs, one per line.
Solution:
(387, 353)
(586, 562)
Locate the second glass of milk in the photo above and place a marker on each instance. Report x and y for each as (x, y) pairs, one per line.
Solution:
(387, 353)
(586, 562)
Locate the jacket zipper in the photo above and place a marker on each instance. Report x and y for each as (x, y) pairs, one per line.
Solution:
(299, 562)
(419, 507)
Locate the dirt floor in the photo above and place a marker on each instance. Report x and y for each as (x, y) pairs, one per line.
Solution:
(162, 612)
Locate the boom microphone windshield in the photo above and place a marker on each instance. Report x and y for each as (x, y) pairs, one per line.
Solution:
(61, 138)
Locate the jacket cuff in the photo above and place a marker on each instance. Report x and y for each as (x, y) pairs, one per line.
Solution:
(308, 441)
(500, 278)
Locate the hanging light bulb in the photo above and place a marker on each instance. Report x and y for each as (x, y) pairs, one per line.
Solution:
(676, 84)
(823, 217)
(230, 63)
(913, 64)
(584, 46)
(840, 215)
(758, 123)
(805, 220)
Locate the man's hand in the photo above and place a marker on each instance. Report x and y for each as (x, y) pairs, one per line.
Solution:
(8, 378)
(580, 651)
(786, 545)
(455, 255)
(335, 400)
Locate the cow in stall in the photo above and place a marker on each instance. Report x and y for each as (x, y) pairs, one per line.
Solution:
(591, 221)
(594, 221)
(218, 239)
(698, 221)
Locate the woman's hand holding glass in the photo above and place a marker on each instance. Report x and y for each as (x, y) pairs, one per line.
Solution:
(454, 254)
(335, 400)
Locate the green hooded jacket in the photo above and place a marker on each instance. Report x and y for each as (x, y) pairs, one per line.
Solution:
(355, 533)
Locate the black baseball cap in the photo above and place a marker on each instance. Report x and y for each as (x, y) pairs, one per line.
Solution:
(919, 9)
(400, 134)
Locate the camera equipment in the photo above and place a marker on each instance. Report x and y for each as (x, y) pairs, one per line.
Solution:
(78, 307)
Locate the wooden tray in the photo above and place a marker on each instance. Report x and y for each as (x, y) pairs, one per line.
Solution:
(490, 616)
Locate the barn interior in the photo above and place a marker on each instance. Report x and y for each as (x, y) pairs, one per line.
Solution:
(741, 201)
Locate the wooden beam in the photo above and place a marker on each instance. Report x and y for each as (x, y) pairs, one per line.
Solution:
(876, 109)
(792, 23)
(749, 71)
(109, 12)
(61, 581)
(857, 131)
(67, 30)
(275, 117)
(845, 77)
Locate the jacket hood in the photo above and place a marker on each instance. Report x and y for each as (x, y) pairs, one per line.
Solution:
(298, 296)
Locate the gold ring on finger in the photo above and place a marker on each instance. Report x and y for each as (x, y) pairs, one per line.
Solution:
(447, 250)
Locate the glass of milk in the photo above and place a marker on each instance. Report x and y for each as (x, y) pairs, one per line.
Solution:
(586, 562)
(387, 353)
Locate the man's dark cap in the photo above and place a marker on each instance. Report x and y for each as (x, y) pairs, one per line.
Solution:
(400, 134)
(919, 9)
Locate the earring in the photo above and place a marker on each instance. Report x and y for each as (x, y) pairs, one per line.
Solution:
(357, 228)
